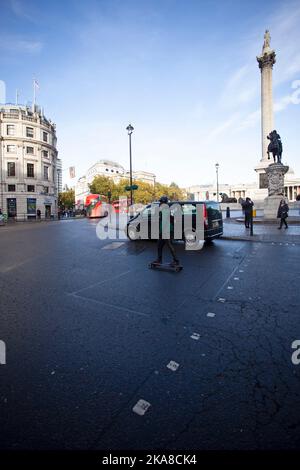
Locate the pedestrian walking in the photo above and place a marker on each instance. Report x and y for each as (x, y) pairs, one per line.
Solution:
(164, 219)
(248, 207)
(283, 213)
(38, 213)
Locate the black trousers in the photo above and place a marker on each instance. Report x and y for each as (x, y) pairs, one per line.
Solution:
(247, 220)
(283, 221)
(161, 243)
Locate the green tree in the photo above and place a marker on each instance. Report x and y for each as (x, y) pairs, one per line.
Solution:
(146, 193)
(66, 199)
(102, 185)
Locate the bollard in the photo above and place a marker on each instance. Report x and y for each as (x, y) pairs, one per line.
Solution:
(228, 212)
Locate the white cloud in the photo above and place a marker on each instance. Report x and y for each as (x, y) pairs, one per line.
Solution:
(18, 9)
(241, 87)
(250, 120)
(17, 44)
(223, 126)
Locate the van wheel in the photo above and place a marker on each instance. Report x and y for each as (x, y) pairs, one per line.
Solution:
(132, 235)
(190, 237)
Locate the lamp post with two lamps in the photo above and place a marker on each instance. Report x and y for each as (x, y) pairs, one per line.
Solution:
(130, 130)
(217, 172)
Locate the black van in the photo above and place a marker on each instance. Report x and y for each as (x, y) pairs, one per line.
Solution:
(213, 222)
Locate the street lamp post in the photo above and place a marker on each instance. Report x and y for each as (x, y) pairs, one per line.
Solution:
(130, 130)
(217, 172)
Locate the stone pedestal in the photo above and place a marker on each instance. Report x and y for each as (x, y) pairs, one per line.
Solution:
(275, 174)
(271, 204)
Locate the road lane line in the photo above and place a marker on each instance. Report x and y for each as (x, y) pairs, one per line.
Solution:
(109, 305)
(101, 282)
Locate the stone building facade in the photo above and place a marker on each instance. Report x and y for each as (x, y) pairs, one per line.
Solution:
(111, 169)
(28, 163)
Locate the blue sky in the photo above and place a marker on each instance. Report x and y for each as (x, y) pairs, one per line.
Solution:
(183, 72)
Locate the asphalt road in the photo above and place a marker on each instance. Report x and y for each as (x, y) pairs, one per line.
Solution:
(90, 330)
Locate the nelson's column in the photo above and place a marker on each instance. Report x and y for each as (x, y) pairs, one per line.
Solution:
(266, 61)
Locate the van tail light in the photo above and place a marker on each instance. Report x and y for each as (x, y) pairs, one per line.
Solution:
(205, 218)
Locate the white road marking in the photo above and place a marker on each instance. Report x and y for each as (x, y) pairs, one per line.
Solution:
(221, 300)
(117, 307)
(141, 407)
(113, 246)
(195, 336)
(100, 282)
(230, 287)
(173, 366)
(211, 314)
(236, 278)
(241, 271)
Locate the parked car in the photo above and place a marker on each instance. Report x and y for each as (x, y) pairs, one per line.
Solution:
(212, 214)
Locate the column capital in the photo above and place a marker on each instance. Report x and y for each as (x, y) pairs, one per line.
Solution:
(267, 59)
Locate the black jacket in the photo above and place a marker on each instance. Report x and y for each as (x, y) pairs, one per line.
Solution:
(282, 211)
(247, 206)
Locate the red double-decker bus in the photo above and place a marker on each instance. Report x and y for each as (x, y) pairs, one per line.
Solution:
(96, 205)
(120, 206)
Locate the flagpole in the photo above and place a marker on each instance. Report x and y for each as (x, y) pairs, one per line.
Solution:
(34, 97)
(17, 97)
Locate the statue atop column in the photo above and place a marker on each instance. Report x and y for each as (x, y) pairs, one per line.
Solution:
(267, 41)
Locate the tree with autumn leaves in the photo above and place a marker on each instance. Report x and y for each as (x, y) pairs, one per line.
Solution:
(66, 199)
(145, 194)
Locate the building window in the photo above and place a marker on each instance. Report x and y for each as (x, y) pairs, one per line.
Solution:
(45, 153)
(11, 149)
(29, 150)
(11, 188)
(30, 188)
(45, 173)
(30, 170)
(46, 189)
(45, 136)
(10, 129)
(11, 169)
(106, 169)
(29, 132)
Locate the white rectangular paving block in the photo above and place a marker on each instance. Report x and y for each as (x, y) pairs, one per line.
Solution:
(173, 366)
(211, 314)
(141, 407)
(195, 336)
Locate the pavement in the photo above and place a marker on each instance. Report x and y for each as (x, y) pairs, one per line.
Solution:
(90, 331)
(262, 232)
